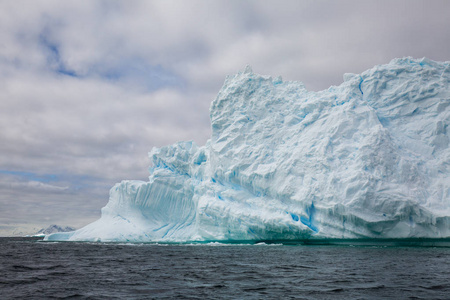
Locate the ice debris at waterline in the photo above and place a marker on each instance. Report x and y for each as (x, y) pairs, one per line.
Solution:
(367, 159)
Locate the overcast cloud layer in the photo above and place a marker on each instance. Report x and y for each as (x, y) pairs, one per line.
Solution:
(87, 88)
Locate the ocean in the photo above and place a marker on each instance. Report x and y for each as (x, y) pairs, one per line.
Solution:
(34, 269)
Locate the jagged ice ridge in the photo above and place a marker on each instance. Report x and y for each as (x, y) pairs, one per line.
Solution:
(366, 159)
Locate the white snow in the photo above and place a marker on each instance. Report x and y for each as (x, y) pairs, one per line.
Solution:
(368, 158)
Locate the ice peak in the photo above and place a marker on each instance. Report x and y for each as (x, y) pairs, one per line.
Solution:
(248, 69)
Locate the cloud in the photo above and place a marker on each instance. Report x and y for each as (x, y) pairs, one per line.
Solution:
(36, 185)
(88, 88)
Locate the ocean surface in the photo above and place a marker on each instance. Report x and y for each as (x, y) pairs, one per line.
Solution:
(33, 269)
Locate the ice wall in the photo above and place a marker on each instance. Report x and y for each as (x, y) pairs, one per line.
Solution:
(368, 158)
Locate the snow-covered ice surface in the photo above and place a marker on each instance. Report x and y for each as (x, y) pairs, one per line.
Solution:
(367, 159)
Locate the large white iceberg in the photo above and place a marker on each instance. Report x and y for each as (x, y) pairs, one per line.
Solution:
(367, 159)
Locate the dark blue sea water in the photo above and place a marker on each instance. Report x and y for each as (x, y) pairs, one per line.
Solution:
(32, 269)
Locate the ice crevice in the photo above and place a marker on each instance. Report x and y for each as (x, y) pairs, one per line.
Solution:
(369, 158)
(359, 86)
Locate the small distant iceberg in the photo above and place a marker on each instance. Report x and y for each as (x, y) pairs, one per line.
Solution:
(53, 229)
(368, 159)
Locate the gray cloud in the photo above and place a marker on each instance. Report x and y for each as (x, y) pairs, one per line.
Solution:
(88, 88)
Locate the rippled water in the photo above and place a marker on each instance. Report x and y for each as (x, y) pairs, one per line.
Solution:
(33, 269)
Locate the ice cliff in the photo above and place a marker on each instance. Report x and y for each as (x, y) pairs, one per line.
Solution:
(368, 158)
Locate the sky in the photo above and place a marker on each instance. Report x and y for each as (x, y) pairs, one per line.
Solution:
(88, 88)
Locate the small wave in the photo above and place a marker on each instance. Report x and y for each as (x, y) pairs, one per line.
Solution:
(265, 244)
(35, 268)
(436, 287)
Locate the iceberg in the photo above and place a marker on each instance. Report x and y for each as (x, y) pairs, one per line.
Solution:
(53, 229)
(366, 159)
